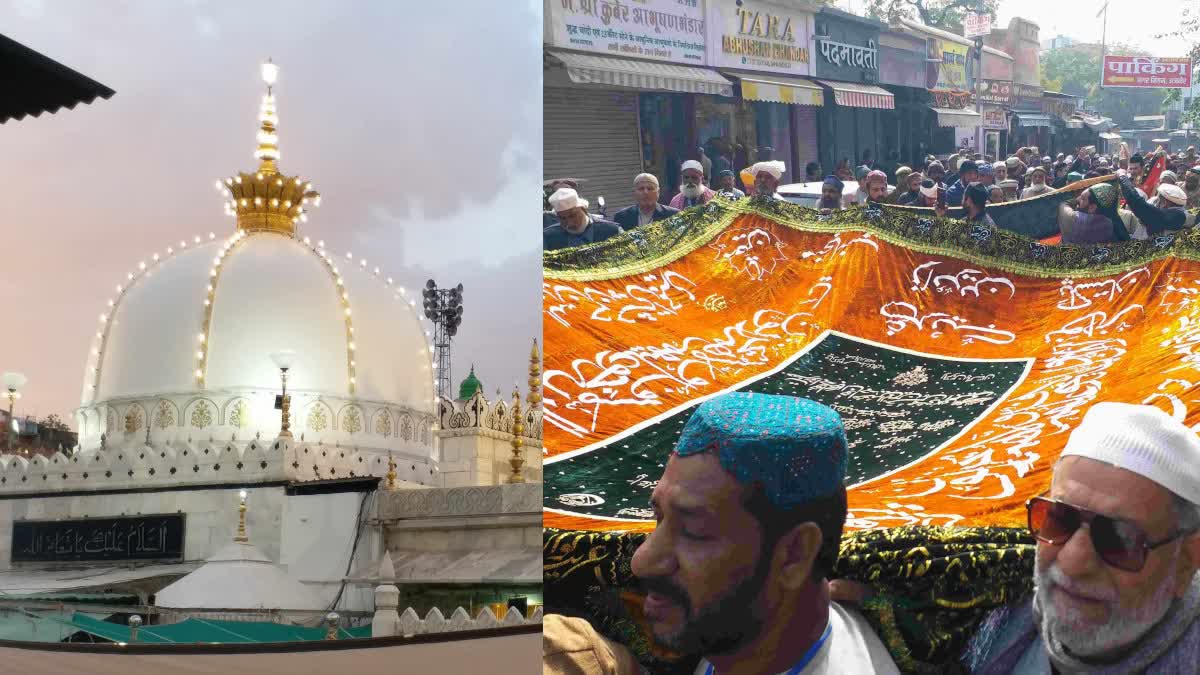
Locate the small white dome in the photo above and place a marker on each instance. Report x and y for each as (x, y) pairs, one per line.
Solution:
(238, 576)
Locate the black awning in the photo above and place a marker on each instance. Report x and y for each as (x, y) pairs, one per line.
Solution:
(31, 83)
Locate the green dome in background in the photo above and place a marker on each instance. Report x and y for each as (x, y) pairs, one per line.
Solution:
(469, 386)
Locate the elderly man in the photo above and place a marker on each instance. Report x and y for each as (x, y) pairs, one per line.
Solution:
(693, 191)
(647, 209)
(1010, 187)
(1037, 183)
(1115, 583)
(750, 510)
(1170, 214)
(575, 226)
(968, 172)
(766, 178)
(1000, 171)
(831, 194)
(877, 187)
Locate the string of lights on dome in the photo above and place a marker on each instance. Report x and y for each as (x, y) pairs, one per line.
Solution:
(263, 202)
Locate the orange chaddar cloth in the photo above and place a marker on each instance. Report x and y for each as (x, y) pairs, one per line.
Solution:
(627, 348)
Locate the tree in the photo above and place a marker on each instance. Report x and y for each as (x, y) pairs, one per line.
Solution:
(1076, 71)
(1189, 28)
(944, 14)
(53, 421)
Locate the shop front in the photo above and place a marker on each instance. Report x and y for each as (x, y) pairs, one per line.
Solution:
(955, 121)
(1060, 108)
(906, 127)
(846, 55)
(1029, 123)
(764, 49)
(619, 87)
(994, 97)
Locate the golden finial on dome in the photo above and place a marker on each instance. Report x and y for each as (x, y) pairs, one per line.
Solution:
(518, 430)
(267, 199)
(535, 376)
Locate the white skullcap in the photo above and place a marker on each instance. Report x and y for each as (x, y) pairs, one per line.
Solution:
(646, 177)
(931, 191)
(1009, 183)
(775, 168)
(565, 199)
(999, 165)
(692, 164)
(1173, 194)
(1142, 439)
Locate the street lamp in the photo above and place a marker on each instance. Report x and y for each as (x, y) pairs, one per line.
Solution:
(12, 382)
(283, 360)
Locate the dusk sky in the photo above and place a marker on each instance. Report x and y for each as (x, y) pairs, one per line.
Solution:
(420, 123)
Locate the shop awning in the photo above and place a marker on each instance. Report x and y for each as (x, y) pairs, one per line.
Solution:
(27, 583)
(778, 89)
(1110, 136)
(957, 117)
(34, 83)
(1032, 119)
(610, 70)
(860, 95)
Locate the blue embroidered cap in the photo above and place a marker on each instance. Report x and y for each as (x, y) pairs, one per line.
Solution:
(795, 447)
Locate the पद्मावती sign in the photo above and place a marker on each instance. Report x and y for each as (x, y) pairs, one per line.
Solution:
(663, 30)
(154, 537)
(751, 35)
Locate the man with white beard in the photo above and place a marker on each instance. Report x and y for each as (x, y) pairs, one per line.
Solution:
(693, 191)
(1116, 588)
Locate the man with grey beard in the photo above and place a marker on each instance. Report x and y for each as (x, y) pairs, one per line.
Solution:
(693, 191)
(1116, 588)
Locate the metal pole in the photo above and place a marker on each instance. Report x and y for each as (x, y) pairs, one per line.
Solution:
(9, 433)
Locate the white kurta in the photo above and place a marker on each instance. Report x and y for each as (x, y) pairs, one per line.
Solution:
(852, 647)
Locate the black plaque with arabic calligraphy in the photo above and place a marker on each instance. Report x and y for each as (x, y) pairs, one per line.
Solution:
(897, 406)
(156, 537)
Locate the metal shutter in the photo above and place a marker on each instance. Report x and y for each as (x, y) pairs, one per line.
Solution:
(804, 127)
(592, 134)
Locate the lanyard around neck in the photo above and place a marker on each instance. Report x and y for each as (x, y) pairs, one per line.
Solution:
(804, 660)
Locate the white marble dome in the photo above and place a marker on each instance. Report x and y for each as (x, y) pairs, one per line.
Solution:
(184, 349)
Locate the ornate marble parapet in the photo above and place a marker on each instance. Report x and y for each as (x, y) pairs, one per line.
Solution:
(206, 462)
(410, 623)
(460, 501)
(479, 414)
(247, 414)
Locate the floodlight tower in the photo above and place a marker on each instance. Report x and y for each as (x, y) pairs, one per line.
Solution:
(444, 307)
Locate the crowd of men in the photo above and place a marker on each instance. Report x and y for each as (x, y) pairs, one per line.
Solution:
(1150, 199)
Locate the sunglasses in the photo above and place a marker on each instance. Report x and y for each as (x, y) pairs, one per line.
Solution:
(1119, 543)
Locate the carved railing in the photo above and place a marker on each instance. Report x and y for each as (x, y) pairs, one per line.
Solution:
(479, 413)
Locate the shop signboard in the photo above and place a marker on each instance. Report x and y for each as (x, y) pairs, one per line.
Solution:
(994, 118)
(998, 92)
(1146, 71)
(947, 65)
(976, 25)
(846, 50)
(661, 30)
(756, 35)
(1026, 96)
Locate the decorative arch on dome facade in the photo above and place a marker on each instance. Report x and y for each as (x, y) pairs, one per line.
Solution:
(384, 424)
(318, 417)
(110, 421)
(200, 413)
(166, 414)
(135, 418)
(237, 413)
(350, 418)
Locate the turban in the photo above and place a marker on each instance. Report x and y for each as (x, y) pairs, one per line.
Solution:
(775, 168)
(929, 189)
(795, 448)
(692, 164)
(876, 175)
(565, 199)
(833, 181)
(648, 177)
(1141, 439)
(1168, 177)
(1173, 194)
